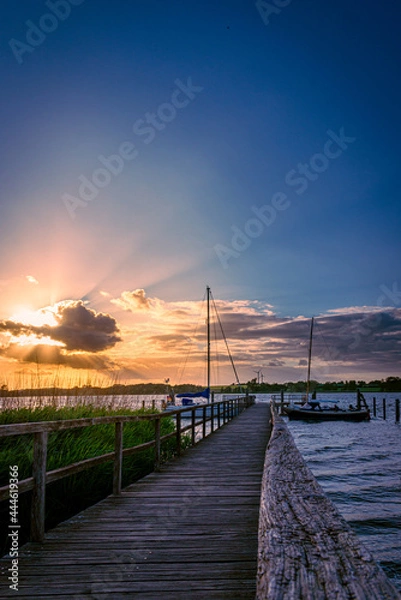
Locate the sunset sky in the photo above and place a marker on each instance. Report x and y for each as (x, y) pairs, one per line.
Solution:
(151, 148)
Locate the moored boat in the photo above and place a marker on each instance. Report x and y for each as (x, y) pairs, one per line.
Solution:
(312, 409)
(206, 397)
(187, 400)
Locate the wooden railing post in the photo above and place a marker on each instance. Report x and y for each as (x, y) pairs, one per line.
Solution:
(212, 418)
(397, 410)
(193, 419)
(178, 433)
(204, 422)
(384, 409)
(39, 489)
(157, 443)
(118, 458)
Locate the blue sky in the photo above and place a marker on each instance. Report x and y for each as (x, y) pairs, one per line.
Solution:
(241, 115)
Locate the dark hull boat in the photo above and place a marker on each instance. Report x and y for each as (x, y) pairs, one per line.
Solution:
(312, 410)
(299, 413)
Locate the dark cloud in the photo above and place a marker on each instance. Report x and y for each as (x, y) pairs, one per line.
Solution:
(363, 340)
(81, 328)
(54, 355)
(78, 328)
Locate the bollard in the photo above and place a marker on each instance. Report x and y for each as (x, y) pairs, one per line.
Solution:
(384, 409)
(374, 406)
(397, 410)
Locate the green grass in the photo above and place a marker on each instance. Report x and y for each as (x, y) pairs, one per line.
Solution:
(66, 497)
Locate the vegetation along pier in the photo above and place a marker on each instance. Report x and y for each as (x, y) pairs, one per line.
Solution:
(226, 519)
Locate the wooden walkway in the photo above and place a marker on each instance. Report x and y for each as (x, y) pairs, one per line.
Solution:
(189, 531)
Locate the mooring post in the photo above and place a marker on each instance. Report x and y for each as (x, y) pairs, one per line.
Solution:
(39, 489)
(282, 402)
(118, 458)
(384, 409)
(397, 410)
(374, 406)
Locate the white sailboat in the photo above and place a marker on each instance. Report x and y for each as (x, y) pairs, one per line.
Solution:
(205, 396)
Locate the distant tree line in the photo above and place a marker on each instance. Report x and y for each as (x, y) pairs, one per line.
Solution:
(390, 384)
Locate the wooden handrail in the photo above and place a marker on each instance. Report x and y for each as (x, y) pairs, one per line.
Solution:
(306, 548)
(40, 477)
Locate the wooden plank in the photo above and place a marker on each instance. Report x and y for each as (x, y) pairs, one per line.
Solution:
(189, 530)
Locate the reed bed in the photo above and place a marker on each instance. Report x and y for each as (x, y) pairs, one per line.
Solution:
(71, 495)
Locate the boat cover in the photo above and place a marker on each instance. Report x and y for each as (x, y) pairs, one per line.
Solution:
(203, 394)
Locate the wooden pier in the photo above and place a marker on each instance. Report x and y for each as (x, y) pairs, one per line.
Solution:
(225, 520)
(188, 531)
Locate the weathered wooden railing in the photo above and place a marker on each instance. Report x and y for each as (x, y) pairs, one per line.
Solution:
(306, 549)
(217, 413)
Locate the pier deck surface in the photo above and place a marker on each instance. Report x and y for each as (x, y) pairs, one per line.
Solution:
(188, 531)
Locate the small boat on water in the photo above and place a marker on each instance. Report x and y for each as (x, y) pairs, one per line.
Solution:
(316, 410)
(188, 398)
(326, 410)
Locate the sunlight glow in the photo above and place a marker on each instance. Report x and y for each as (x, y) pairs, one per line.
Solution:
(27, 316)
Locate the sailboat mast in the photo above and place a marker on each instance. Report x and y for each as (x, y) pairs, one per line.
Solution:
(309, 360)
(208, 336)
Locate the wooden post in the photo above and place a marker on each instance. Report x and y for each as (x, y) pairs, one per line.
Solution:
(384, 409)
(193, 417)
(157, 443)
(39, 490)
(211, 418)
(143, 404)
(282, 402)
(118, 458)
(153, 404)
(204, 423)
(397, 410)
(218, 416)
(374, 406)
(178, 433)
